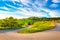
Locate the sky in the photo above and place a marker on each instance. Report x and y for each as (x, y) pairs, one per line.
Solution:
(29, 8)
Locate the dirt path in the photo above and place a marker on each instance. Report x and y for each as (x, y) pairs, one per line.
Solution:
(34, 36)
(57, 28)
(53, 34)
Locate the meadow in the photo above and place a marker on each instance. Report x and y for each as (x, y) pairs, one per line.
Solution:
(31, 24)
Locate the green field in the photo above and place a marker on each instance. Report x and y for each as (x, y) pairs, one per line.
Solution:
(38, 27)
(36, 24)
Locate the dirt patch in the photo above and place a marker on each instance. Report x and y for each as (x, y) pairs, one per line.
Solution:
(34, 36)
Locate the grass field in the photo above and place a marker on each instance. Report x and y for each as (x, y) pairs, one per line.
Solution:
(36, 24)
(39, 26)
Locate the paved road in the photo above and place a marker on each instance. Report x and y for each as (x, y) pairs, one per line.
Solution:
(53, 34)
(12, 30)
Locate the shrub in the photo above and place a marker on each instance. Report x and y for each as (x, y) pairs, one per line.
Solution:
(25, 25)
(39, 26)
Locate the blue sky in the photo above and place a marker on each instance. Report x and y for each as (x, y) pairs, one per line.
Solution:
(28, 8)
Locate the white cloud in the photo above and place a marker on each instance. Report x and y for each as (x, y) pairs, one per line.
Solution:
(15, 0)
(24, 1)
(52, 13)
(4, 8)
(46, 0)
(53, 5)
(30, 13)
(11, 0)
(41, 2)
(10, 6)
(4, 14)
(56, 1)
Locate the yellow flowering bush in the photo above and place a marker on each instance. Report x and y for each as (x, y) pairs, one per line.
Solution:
(39, 26)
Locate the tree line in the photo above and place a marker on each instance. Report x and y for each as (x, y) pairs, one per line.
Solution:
(13, 23)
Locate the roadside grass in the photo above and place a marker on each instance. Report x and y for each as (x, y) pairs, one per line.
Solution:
(38, 27)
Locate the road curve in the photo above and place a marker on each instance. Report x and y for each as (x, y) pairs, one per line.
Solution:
(53, 34)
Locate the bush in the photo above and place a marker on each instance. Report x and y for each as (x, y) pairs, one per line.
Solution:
(25, 25)
(39, 26)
